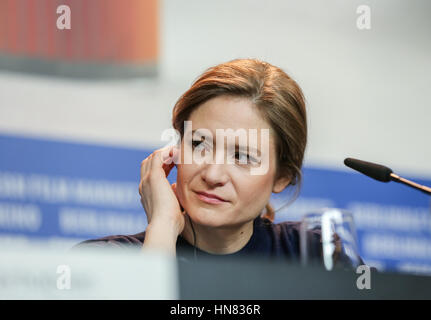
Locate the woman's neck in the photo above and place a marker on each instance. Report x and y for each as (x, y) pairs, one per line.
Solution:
(218, 240)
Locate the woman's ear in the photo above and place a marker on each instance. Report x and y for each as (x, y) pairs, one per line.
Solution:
(281, 183)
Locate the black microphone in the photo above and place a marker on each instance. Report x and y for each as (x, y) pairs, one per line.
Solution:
(382, 173)
(375, 171)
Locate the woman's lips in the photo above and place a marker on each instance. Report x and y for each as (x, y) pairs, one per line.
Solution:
(209, 198)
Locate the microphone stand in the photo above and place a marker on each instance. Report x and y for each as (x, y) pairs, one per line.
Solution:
(412, 184)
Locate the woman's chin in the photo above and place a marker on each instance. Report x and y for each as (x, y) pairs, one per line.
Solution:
(208, 218)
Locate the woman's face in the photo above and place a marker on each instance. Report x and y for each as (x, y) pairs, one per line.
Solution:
(245, 194)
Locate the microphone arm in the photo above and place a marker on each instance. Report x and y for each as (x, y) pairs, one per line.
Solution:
(412, 184)
(382, 173)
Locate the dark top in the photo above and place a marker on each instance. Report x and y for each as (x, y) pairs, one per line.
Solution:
(268, 241)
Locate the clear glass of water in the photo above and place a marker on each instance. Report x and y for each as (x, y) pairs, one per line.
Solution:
(328, 237)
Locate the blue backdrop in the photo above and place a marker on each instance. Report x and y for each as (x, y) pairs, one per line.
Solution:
(63, 190)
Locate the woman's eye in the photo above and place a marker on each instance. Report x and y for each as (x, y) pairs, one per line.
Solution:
(197, 143)
(241, 157)
(244, 158)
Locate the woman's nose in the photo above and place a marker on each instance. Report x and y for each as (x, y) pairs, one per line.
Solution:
(215, 174)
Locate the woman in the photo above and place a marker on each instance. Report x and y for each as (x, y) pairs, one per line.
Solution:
(218, 207)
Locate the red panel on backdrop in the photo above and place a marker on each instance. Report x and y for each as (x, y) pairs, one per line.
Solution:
(101, 30)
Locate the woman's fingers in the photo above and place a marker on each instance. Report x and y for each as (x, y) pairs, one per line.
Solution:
(166, 158)
(145, 169)
(174, 188)
(158, 197)
(169, 154)
(166, 154)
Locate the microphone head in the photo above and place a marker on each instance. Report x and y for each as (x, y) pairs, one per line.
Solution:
(373, 170)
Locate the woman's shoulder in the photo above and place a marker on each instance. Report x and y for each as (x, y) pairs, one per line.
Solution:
(287, 225)
(284, 236)
(290, 227)
(282, 228)
(113, 241)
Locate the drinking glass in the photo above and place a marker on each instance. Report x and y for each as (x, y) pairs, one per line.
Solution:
(328, 237)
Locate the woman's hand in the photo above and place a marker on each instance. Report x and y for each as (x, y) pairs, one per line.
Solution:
(158, 197)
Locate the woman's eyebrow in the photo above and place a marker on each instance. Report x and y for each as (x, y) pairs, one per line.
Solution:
(198, 130)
